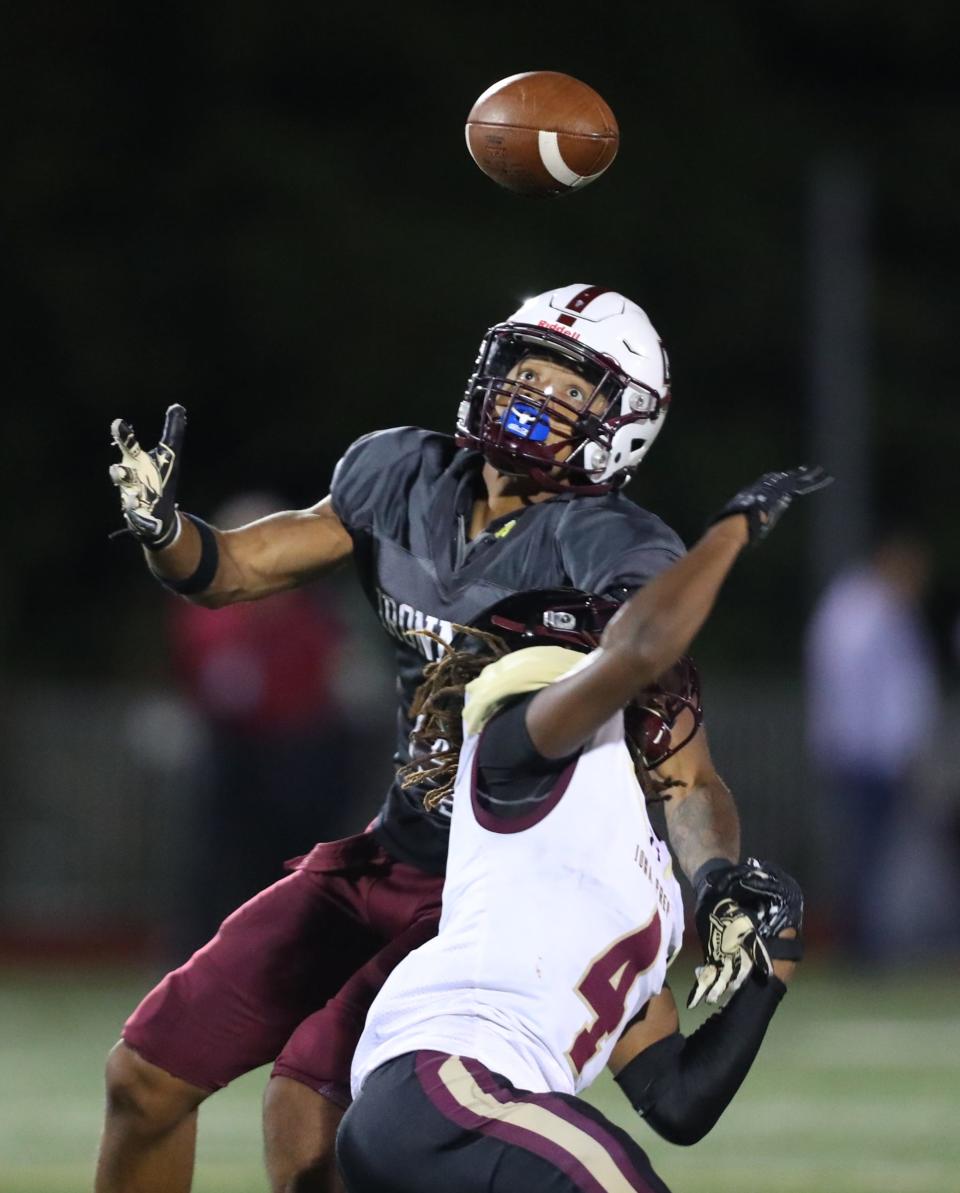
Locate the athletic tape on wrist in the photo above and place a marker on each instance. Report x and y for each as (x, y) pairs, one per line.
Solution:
(206, 569)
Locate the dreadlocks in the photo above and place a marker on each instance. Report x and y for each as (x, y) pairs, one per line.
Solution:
(437, 710)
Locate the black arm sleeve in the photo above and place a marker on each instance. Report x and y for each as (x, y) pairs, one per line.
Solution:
(512, 776)
(681, 1085)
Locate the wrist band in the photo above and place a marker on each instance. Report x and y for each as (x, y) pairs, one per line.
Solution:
(699, 880)
(781, 949)
(206, 569)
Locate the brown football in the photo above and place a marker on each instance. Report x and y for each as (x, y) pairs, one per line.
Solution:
(542, 133)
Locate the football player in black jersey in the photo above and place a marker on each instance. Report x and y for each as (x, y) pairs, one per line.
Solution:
(566, 398)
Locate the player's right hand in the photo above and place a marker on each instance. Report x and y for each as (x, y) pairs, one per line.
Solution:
(147, 480)
(765, 500)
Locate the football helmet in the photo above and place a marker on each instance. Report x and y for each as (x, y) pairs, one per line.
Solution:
(652, 719)
(591, 447)
(568, 617)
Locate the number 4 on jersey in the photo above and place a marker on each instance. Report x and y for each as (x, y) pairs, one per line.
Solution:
(606, 985)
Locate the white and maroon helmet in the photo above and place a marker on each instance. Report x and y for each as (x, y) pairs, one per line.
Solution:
(610, 342)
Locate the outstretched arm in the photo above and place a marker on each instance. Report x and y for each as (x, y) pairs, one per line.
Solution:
(209, 566)
(652, 629)
(253, 561)
(659, 622)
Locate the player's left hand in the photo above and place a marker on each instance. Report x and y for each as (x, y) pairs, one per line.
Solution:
(742, 912)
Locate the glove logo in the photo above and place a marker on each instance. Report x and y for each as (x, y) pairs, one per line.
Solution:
(740, 908)
(526, 423)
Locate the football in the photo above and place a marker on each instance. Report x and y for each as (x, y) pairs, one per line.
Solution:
(542, 133)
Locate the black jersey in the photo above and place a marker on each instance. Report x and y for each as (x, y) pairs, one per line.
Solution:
(406, 497)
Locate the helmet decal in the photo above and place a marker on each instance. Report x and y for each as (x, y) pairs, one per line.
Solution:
(579, 301)
(559, 616)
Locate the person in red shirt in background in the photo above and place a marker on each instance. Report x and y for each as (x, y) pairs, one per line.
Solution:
(274, 771)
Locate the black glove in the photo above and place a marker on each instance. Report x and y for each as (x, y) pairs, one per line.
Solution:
(741, 909)
(765, 500)
(148, 480)
(774, 899)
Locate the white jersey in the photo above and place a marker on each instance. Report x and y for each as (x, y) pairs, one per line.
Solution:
(556, 927)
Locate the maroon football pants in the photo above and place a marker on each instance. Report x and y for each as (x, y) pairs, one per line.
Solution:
(290, 975)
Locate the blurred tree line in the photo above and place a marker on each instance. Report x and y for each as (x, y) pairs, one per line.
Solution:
(266, 212)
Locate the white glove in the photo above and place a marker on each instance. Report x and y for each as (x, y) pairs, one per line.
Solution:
(147, 480)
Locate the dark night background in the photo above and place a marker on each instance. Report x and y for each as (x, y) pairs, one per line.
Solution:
(266, 211)
(268, 214)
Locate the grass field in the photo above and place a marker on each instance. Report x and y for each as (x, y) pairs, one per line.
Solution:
(856, 1091)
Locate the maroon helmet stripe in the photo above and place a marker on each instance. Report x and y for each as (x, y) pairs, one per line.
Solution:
(581, 300)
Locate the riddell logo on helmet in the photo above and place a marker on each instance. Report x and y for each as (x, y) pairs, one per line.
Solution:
(564, 331)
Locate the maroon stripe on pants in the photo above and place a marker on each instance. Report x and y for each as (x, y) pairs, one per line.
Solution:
(428, 1065)
(562, 1109)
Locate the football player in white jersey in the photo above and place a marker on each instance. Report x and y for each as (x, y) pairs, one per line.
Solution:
(560, 910)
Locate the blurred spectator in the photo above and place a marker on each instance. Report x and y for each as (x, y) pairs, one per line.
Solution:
(873, 703)
(274, 772)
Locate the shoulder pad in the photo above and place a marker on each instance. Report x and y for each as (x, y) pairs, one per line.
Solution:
(514, 675)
